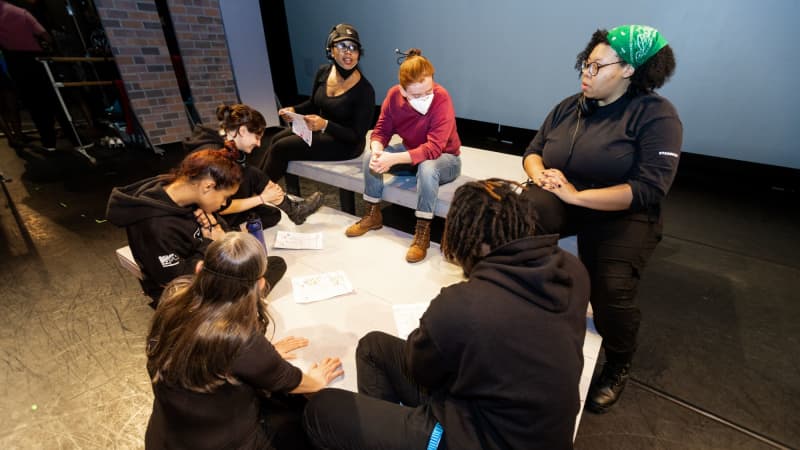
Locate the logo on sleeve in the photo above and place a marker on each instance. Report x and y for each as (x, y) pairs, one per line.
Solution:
(169, 260)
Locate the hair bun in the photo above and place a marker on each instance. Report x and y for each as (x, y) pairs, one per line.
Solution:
(414, 52)
(223, 111)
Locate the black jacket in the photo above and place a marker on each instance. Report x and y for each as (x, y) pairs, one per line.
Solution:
(635, 140)
(165, 239)
(502, 353)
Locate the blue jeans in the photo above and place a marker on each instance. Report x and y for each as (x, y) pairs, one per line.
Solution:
(430, 175)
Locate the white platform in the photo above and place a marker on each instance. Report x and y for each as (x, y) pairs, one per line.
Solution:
(476, 164)
(375, 264)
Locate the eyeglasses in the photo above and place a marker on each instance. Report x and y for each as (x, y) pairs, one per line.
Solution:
(346, 46)
(594, 67)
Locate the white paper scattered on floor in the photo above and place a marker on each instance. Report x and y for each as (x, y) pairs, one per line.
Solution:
(300, 128)
(293, 240)
(313, 288)
(406, 317)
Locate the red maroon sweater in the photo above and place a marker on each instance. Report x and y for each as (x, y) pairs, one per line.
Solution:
(425, 136)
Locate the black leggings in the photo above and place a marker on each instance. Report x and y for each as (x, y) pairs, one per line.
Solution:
(269, 215)
(614, 247)
(281, 418)
(38, 95)
(287, 146)
(373, 418)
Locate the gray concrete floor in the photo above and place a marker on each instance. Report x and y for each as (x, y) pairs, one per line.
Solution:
(719, 299)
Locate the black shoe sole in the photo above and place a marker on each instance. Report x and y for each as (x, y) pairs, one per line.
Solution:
(597, 409)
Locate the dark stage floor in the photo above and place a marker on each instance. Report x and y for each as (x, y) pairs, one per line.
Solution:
(717, 367)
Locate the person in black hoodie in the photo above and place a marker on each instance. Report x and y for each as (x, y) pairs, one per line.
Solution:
(240, 131)
(170, 219)
(496, 360)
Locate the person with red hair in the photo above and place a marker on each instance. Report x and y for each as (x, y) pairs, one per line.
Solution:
(421, 112)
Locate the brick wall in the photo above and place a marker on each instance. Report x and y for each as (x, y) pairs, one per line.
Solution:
(201, 38)
(137, 40)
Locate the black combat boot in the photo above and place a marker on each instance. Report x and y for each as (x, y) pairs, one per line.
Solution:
(607, 388)
(299, 210)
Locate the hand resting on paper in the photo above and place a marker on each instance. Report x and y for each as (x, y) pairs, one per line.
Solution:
(289, 344)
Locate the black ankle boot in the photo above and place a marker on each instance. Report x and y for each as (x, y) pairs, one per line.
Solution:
(299, 210)
(607, 388)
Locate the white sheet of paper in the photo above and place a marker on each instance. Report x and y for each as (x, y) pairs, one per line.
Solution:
(313, 288)
(406, 317)
(289, 239)
(299, 127)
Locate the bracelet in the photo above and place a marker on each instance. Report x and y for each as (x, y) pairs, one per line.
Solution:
(262, 199)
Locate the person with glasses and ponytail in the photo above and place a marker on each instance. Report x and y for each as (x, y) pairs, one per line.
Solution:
(240, 130)
(217, 381)
(496, 360)
(171, 219)
(601, 165)
(339, 111)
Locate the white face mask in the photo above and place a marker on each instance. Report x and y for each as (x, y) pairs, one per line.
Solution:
(421, 104)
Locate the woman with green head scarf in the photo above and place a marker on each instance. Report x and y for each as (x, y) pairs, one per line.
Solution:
(600, 166)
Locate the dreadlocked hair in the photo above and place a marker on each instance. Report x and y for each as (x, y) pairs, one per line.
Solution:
(485, 215)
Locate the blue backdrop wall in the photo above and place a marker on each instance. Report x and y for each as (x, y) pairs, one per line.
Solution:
(510, 61)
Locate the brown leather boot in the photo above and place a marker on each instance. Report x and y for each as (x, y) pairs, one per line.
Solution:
(422, 240)
(372, 220)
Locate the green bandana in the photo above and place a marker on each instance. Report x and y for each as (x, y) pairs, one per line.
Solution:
(636, 43)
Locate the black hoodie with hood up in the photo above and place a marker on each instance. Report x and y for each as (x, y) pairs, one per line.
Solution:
(165, 239)
(502, 353)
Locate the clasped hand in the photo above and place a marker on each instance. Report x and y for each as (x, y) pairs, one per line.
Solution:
(209, 227)
(381, 161)
(553, 180)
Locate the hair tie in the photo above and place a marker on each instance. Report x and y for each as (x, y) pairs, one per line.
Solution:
(228, 276)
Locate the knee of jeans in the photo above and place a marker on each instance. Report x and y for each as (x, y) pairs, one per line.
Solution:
(427, 169)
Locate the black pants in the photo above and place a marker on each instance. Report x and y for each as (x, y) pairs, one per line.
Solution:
(374, 418)
(269, 215)
(614, 247)
(282, 419)
(287, 146)
(38, 95)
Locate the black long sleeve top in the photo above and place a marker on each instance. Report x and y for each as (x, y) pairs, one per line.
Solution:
(349, 115)
(635, 140)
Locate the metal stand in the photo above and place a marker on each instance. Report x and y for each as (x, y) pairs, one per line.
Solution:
(57, 85)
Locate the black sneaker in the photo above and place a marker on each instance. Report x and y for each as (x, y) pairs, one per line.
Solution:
(299, 210)
(608, 387)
